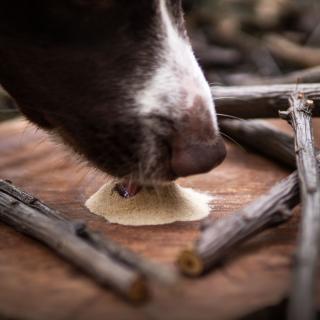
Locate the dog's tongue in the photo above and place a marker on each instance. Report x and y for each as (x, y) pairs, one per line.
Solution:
(127, 189)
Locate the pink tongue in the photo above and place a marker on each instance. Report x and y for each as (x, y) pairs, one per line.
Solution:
(127, 189)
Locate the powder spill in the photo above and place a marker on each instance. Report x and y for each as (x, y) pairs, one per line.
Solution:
(163, 205)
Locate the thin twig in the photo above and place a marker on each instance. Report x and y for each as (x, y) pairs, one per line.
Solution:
(309, 75)
(261, 101)
(30, 216)
(263, 138)
(302, 300)
(162, 274)
(293, 52)
(219, 237)
(153, 271)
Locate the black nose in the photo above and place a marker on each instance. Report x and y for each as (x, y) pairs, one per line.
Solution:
(190, 157)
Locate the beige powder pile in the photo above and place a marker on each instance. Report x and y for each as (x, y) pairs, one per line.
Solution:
(163, 205)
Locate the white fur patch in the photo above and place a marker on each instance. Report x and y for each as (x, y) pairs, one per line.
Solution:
(179, 78)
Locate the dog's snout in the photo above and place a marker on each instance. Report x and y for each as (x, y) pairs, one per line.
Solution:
(190, 158)
(196, 146)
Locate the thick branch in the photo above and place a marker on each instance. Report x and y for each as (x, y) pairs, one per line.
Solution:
(162, 274)
(263, 138)
(260, 101)
(310, 75)
(302, 302)
(30, 216)
(220, 236)
(292, 52)
(153, 271)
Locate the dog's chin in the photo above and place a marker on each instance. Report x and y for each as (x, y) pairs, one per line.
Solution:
(148, 180)
(129, 188)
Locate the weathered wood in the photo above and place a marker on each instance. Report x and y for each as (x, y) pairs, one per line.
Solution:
(263, 138)
(309, 75)
(293, 52)
(260, 101)
(162, 274)
(219, 237)
(302, 300)
(28, 215)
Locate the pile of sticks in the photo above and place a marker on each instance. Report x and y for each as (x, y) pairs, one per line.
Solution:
(302, 186)
(256, 41)
(105, 261)
(129, 275)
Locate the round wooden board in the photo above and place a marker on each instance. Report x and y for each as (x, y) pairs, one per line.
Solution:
(37, 284)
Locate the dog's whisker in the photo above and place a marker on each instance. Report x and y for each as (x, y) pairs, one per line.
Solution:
(228, 98)
(229, 116)
(233, 140)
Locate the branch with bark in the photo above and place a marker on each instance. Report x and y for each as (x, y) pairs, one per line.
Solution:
(263, 138)
(309, 75)
(302, 300)
(261, 101)
(219, 237)
(292, 52)
(104, 260)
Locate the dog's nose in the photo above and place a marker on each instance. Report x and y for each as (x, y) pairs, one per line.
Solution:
(196, 145)
(190, 158)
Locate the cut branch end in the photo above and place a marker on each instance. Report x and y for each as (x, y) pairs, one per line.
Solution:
(138, 292)
(190, 263)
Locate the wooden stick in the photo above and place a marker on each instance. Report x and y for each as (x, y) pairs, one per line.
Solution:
(210, 56)
(263, 138)
(163, 275)
(219, 237)
(224, 234)
(302, 300)
(260, 101)
(30, 216)
(309, 75)
(153, 271)
(292, 52)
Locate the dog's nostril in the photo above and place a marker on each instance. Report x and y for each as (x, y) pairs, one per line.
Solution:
(194, 158)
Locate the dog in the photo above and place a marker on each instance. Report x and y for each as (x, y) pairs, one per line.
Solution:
(116, 79)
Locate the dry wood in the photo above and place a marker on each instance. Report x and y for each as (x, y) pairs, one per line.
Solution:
(228, 32)
(302, 300)
(210, 56)
(263, 138)
(260, 101)
(310, 75)
(292, 52)
(30, 216)
(220, 236)
(157, 272)
(153, 271)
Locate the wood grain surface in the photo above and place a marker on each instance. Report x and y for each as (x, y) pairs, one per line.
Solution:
(37, 284)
